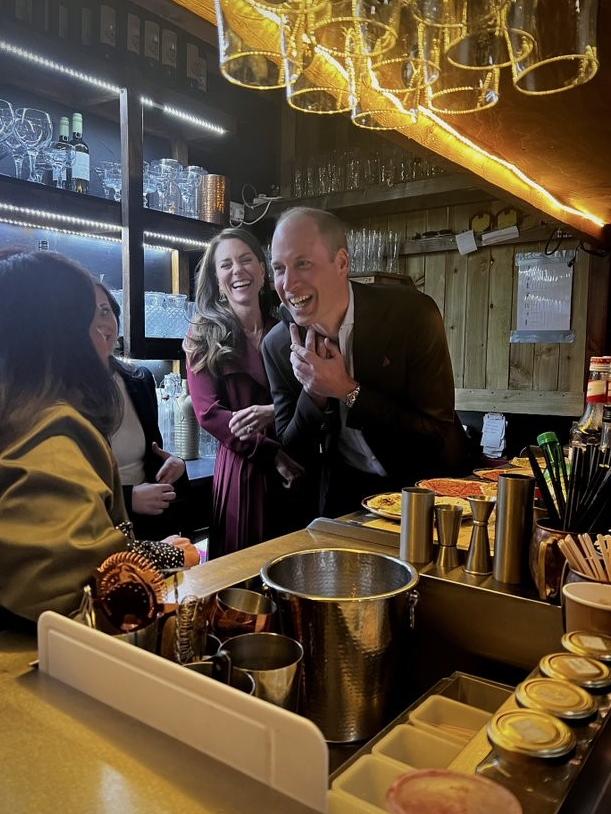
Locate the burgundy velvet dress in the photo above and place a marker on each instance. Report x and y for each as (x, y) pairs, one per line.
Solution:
(245, 478)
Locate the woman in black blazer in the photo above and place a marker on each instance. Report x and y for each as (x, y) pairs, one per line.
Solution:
(155, 483)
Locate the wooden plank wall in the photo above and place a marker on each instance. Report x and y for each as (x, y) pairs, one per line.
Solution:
(476, 295)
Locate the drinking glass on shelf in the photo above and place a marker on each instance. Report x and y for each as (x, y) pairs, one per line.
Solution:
(34, 131)
(7, 118)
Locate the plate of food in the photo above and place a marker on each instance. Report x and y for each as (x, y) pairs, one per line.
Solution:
(388, 504)
(494, 474)
(459, 487)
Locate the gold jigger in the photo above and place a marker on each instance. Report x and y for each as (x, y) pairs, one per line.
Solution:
(479, 560)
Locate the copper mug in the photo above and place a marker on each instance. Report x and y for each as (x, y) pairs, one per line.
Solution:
(237, 611)
(546, 561)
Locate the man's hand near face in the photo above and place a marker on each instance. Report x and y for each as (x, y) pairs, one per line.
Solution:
(319, 367)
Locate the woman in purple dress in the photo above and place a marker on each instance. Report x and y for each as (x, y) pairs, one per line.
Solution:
(230, 392)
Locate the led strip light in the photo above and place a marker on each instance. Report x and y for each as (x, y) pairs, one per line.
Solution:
(92, 224)
(187, 241)
(53, 216)
(30, 56)
(512, 168)
(184, 116)
(81, 76)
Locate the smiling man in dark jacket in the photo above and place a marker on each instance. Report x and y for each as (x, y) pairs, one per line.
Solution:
(360, 375)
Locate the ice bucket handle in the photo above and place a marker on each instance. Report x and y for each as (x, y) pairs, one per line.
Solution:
(413, 599)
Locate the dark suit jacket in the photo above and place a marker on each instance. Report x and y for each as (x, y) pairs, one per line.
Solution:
(140, 386)
(405, 407)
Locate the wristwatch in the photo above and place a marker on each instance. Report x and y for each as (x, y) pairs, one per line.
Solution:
(352, 396)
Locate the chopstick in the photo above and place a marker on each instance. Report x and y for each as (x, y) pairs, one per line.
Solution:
(552, 511)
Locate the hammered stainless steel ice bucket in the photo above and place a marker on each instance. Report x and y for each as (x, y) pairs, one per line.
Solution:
(351, 610)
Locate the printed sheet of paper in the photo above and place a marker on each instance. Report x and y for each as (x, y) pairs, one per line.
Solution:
(545, 286)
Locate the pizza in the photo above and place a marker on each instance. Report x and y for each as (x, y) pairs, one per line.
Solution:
(494, 474)
(389, 503)
(459, 487)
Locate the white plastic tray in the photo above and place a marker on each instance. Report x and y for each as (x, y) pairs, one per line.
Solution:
(270, 744)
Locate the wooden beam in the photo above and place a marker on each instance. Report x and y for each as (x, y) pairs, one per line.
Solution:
(535, 402)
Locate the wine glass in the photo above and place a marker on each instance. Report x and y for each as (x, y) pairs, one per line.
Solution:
(34, 131)
(7, 117)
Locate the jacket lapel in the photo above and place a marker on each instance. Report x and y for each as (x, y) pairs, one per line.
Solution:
(370, 342)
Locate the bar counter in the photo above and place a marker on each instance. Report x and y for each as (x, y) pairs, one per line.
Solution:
(63, 751)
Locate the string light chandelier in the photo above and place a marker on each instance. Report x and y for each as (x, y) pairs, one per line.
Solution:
(388, 61)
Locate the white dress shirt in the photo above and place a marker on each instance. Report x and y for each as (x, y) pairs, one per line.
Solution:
(128, 443)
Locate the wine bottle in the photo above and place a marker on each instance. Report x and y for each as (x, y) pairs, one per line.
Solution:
(80, 169)
(62, 177)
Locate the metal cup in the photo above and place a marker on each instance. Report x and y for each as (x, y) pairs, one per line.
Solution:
(416, 535)
(448, 519)
(273, 660)
(237, 611)
(514, 517)
(221, 669)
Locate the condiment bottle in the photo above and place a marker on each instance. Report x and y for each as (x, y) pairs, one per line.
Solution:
(530, 756)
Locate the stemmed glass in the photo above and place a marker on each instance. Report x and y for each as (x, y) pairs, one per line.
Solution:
(109, 173)
(33, 130)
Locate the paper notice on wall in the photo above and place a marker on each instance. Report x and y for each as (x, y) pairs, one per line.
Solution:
(465, 242)
(493, 434)
(545, 285)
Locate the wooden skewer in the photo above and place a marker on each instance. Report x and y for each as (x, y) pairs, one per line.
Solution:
(584, 566)
(591, 554)
(606, 559)
(574, 563)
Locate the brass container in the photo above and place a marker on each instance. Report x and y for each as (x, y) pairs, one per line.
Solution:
(545, 559)
(212, 196)
(237, 611)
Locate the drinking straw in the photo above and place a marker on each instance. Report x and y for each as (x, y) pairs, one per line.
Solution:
(543, 487)
(548, 441)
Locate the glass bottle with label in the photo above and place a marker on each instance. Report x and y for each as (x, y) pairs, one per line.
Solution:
(587, 429)
(62, 175)
(151, 44)
(24, 12)
(195, 67)
(169, 53)
(87, 25)
(531, 756)
(108, 30)
(133, 39)
(80, 168)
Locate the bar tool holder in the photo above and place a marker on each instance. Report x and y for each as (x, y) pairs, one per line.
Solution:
(479, 560)
(416, 535)
(447, 519)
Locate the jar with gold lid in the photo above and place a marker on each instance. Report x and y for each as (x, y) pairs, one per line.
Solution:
(569, 702)
(531, 756)
(586, 672)
(597, 647)
(583, 643)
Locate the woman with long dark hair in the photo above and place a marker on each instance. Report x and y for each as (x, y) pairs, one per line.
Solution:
(60, 494)
(230, 391)
(155, 483)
